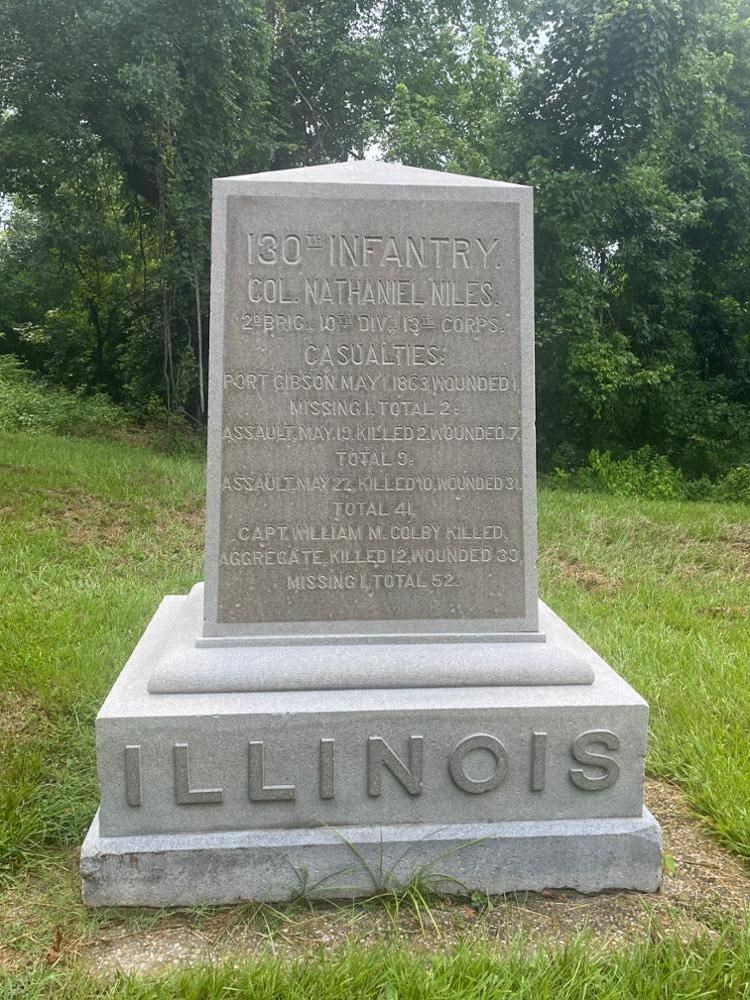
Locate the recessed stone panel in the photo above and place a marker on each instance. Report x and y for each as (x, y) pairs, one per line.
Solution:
(372, 411)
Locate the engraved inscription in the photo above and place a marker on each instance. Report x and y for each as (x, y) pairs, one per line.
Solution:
(476, 764)
(327, 769)
(185, 795)
(380, 755)
(538, 761)
(478, 784)
(583, 755)
(371, 424)
(257, 789)
(133, 791)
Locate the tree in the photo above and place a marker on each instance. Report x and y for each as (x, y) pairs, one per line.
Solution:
(631, 119)
(160, 96)
(631, 122)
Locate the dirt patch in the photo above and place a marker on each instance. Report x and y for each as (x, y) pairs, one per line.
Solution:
(737, 538)
(585, 576)
(590, 579)
(705, 887)
(19, 714)
(88, 519)
(95, 522)
(193, 519)
(722, 611)
(84, 517)
(9, 467)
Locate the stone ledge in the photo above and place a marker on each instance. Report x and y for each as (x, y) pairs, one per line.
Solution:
(185, 665)
(276, 865)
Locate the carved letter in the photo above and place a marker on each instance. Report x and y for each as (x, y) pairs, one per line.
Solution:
(380, 755)
(133, 795)
(258, 790)
(538, 761)
(477, 786)
(326, 768)
(183, 793)
(584, 756)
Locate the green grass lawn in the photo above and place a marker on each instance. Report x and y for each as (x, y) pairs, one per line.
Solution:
(663, 971)
(661, 590)
(93, 535)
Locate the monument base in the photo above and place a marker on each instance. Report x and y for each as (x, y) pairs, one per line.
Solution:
(355, 862)
(214, 797)
(189, 664)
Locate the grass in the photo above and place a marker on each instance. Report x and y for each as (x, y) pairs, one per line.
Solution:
(93, 535)
(662, 590)
(664, 970)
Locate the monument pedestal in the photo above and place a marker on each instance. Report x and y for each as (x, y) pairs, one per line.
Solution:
(216, 797)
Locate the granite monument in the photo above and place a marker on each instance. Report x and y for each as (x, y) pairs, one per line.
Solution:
(367, 681)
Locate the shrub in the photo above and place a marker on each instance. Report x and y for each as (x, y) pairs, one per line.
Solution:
(646, 474)
(734, 485)
(30, 405)
(641, 474)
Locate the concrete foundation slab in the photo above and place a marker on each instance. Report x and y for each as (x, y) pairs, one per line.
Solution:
(276, 865)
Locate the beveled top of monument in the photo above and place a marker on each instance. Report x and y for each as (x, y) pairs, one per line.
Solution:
(371, 407)
(370, 172)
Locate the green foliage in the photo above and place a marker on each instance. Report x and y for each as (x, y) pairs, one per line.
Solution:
(646, 474)
(87, 555)
(27, 405)
(623, 280)
(137, 107)
(632, 122)
(631, 119)
(643, 474)
(734, 485)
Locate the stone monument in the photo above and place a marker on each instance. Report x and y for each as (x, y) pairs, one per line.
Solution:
(367, 689)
